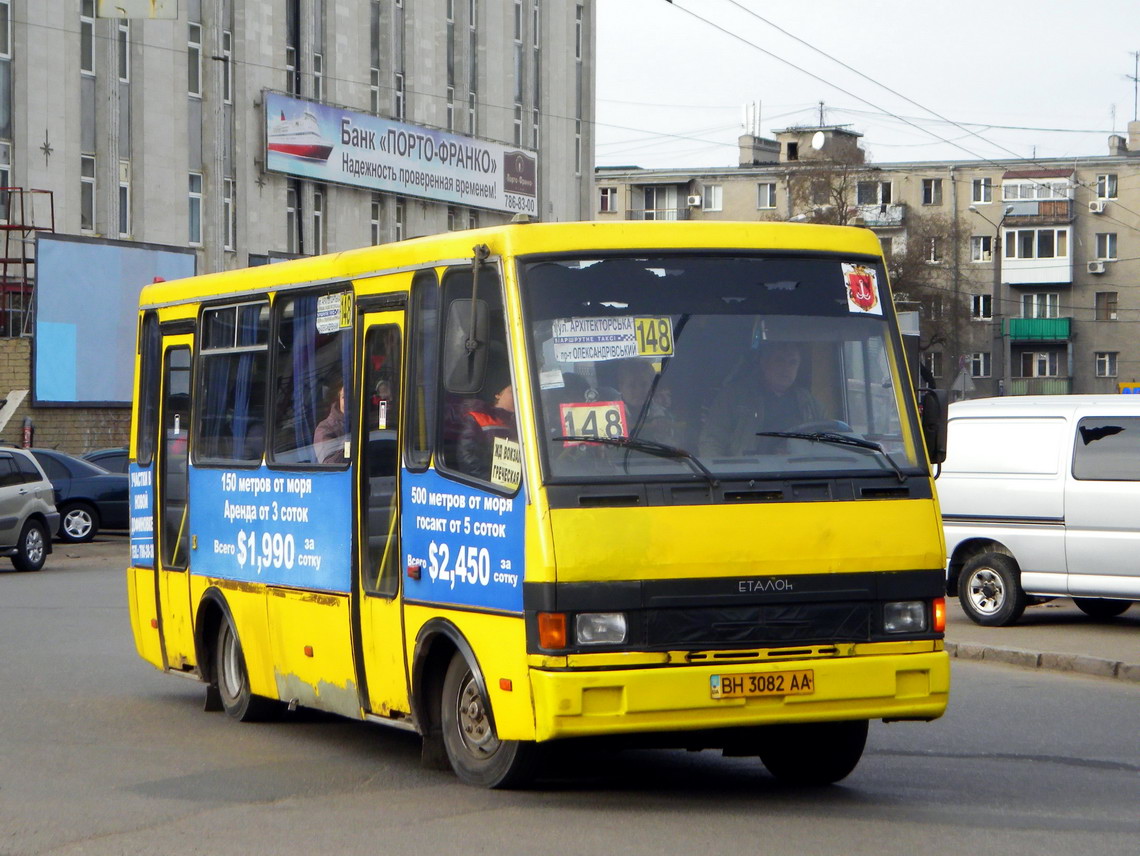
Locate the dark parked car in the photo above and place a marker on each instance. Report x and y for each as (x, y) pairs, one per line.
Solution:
(115, 460)
(86, 495)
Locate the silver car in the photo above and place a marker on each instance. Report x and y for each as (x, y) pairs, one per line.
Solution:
(27, 510)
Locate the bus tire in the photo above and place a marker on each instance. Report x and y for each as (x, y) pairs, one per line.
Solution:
(1099, 607)
(32, 548)
(990, 590)
(476, 753)
(813, 754)
(232, 679)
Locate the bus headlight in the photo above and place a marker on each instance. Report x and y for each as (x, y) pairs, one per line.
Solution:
(600, 628)
(904, 616)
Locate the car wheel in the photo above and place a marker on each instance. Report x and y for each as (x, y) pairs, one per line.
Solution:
(78, 522)
(990, 590)
(813, 754)
(232, 680)
(1098, 607)
(475, 751)
(32, 548)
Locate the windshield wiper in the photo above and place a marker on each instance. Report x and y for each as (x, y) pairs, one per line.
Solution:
(650, 447)
(839, 440)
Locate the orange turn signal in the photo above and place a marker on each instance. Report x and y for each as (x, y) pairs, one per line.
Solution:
(552, 630)
(940, 615)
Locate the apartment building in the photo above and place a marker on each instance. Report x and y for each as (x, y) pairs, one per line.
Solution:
(1031, 268)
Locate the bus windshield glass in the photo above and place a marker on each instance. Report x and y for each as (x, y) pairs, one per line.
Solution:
(716, 366)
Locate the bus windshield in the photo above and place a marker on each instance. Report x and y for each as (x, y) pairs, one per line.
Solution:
(716, 366)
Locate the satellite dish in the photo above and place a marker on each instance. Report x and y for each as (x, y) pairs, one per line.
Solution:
(817, 140)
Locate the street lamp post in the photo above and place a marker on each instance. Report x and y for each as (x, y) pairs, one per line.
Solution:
(999, 348)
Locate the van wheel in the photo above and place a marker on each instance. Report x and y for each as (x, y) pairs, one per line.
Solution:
(813, 754)
(475, 751)
(233, 680)
(990, 590)
(1098, 607)
(31, 549)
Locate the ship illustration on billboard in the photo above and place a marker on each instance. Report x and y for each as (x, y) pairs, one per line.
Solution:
(299, 138)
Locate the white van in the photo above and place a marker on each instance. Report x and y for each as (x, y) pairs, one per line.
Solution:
(1040, 498)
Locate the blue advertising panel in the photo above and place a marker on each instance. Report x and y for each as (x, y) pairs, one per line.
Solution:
(330, 144)
(467, 543)
(272, 527)
(142, 516)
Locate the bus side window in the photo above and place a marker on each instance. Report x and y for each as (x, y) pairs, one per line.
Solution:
(422, 381)
(312, 392)
(231, 384)
(477, 399)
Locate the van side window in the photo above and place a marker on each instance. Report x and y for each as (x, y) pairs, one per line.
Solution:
(1107, 449)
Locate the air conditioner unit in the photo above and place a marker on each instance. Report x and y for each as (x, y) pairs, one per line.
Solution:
(1096, 206)
(694, 202)
(1096, 267)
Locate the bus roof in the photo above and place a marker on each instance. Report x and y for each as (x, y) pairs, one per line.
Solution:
(516, 239)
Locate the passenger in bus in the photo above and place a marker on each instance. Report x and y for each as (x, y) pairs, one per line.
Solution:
(764, 394)
(483, 422)
(636, 381)
(328, 439)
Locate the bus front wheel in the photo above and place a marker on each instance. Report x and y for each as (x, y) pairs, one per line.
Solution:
(813, 754)
(233, 679)
(476, 753)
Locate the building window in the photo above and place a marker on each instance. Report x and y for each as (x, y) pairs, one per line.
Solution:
(450, 108)
(1040, 364)
(607, 199)
(123, 43)
(981, 248)
(194, 60)
(5, 29)
(982, 190)
(932, 250)
(319, 241)
(981, 307)
(5, 172)
(400, 219)
(87, 37)
(1036, 189)
(318, 77)
(375, 210)
(227, 67)
(374, 91)
(873, 193)
(400, 96)
(1106, 306)
(933, 362)
(1036, 243)
(229, 212)
(292, 76)
(1106, 245)
(519, 125)
(578, 32)
(766, 195)
(1106, 186)
(124, 199)
(577, 147)
(1040, 305)
(712, 198)
(979, 364)
(1106, 363)
(194, 208)
(87, 193)
(932, 191)
(292, 219)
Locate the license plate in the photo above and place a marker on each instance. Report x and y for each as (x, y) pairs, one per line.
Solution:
(752, 685)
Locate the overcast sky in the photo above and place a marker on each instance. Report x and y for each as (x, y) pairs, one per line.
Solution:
(673, 79)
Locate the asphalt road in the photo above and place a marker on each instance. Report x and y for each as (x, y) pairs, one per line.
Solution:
(101, 754)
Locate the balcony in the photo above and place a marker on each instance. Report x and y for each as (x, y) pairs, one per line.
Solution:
(1039, 212)
(1040, 386)
(657, 214)
(1040, 329)
(881, 216)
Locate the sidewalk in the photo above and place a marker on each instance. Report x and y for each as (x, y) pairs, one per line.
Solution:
(1055, 636)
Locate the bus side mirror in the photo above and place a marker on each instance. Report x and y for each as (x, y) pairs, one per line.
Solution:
(933, 406)
(465, 346)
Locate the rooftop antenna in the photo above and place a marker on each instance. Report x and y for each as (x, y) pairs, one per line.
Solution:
(1135, 78)
(821, 114)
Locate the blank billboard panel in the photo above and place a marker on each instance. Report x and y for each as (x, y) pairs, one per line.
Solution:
(86, 310)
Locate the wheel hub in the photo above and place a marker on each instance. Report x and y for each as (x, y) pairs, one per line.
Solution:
(474, 725)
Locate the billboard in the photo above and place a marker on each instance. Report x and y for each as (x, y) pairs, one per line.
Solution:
(86, 311)
(330, 144)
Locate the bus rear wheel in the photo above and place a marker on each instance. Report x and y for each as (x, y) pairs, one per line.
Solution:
(476, 753)
(813, 754)
(232, 680)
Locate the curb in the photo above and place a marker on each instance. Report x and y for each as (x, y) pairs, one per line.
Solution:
(1081, 664)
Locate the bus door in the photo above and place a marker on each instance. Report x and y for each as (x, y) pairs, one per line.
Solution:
(172, 559)
(379, 619)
